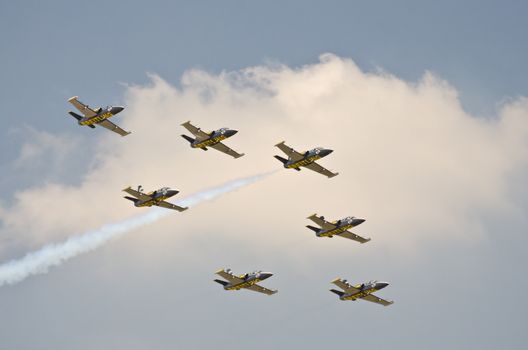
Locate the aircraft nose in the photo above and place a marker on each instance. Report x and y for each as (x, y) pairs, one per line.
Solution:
(117, 109)
(265, 275)
(326, 152)
(230, 132)
(356, 222)
(171, 193)
(381, 285)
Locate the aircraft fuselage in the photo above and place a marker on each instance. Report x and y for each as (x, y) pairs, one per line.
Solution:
(156, 197)
(308, 158)
(335, 231)
(101, 116)
(365, 290)
(248, 281)
(303, 162)
(342, 226)
(214, 138)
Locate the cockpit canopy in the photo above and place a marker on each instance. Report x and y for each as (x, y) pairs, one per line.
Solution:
(164, 190)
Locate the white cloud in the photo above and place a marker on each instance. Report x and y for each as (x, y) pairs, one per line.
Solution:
(411, 160)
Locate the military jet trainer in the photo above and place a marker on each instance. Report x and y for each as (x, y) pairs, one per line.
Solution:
(157, 198)
(246, 281)
(210, 139)
(307, 159)
(339, 228)
(98, 116)
(360, 291)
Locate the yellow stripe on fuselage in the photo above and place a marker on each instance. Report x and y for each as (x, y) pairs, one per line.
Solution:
(336, 231)
(96, 119)
(244, 284)
(361, 294)
(210, 142)
(304, 162)
(153, 201)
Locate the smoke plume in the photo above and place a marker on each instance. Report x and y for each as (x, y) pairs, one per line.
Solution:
(40, 261)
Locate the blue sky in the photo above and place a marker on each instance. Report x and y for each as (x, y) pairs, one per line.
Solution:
(131, 291)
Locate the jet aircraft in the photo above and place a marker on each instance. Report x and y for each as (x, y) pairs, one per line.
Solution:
(360, 291)
(98, 116)
(307, 159)
(157, 198)
(246, 281)
(339, 227)
(210, 139)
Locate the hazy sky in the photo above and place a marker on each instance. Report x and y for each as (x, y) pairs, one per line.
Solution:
(421, 101)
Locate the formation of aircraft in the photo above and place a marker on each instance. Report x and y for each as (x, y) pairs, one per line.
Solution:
(245, 281)
(98, 116)
(211, 139)
(296, 160)
(157, 197)
(360, 291)
(202, 140)
(339, 228)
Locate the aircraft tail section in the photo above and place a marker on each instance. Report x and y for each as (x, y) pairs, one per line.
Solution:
(338, 292)
(79, 118)
(135, 200)
(283, 160)
(314, 229)
(75, 115)
(224, 283)
(188, 138)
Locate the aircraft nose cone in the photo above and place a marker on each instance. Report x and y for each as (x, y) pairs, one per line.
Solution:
(326, 152)
(230, 133)
(117, 109)
(171, 193)
(381, 285)
(356, 222)
(265, 275)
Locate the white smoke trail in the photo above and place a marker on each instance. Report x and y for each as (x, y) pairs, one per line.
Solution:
(39, 262)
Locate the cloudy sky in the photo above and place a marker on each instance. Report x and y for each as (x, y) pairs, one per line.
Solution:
(422, 102)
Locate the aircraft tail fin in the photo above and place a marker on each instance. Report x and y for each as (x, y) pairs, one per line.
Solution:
(79, 118)
(188, 138)
(131, 199)
(338, 292)
(314, 229)
(283, 160)
(224, 283)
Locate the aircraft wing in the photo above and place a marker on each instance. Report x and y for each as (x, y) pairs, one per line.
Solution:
(229, 277)
(325, 225)
(84, 109)
(139, 195)
(168, 205)
(374, 299)
(347, 288)
(350, 235)
(290, 152)
(320, 169)
(197, 132)
(223, 148)
(112, 127)
(260, 289)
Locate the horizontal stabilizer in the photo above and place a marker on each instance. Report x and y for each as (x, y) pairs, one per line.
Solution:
(224, 283)
(315, 229)
(78, 117)
(131, 199)
(283, 160)
(75, 115)
(188, 138)
(338, 292)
